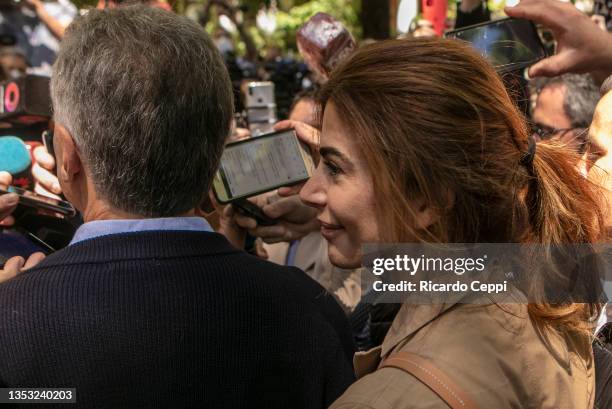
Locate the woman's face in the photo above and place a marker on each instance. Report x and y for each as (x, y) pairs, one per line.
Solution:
(341, 190)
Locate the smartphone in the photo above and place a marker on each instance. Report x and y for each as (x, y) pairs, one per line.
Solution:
(509, 44)
(252, 210)
(260, 164)
(31, 199)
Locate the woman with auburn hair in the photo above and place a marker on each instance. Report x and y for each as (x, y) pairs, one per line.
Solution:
(421, 143)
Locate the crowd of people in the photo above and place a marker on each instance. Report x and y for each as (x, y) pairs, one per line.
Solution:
(156, 303)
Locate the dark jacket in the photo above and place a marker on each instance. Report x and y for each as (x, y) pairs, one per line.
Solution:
(173, 320)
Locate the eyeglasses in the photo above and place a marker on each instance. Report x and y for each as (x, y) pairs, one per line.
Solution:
(547, 132)
(579, 139)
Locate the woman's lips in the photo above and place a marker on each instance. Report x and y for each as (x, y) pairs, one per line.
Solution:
(329, 231)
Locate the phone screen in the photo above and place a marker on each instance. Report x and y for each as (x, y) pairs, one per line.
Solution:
(261, 164)
(508, 44)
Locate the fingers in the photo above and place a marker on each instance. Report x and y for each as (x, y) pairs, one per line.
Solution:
(558, 64)
(6, 178)
(290, 209)
(46, 179)
(12, 268)
(544, 12)
(44, 158)
(306, 133)
(7, 221)
(290, 190)
(8, 203)
(245, 222)
(273, 234)
(33, 260)
(44, 192)
(281, 207)
(17, 265)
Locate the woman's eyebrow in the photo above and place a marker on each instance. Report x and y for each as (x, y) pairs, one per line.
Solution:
(330, 151)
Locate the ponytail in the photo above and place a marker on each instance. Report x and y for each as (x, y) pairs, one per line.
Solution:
(564, 208)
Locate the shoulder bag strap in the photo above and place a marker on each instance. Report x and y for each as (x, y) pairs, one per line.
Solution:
(432, 377)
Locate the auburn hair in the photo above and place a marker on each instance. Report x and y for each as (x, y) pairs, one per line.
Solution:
(435, 122)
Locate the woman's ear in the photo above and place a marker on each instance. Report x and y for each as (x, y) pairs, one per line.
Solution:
(426, 214)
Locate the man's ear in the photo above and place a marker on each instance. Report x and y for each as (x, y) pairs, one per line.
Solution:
(69, 164)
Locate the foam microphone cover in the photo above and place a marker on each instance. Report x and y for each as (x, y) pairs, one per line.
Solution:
(14, 155)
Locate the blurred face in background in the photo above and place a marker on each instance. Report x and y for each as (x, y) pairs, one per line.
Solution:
(341, 189)
(13, 65)
(550, 119)
(598, 156)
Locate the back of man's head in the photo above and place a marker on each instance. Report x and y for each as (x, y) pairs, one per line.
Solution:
(148, 102)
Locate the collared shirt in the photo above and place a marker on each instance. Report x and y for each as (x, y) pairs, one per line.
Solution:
(99, 228)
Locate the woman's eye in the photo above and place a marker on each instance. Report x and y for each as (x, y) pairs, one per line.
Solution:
(332, 169)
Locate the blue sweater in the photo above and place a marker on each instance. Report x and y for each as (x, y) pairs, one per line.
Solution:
(173, 319)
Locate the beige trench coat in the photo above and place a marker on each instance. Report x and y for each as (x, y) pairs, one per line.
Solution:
(493, 352)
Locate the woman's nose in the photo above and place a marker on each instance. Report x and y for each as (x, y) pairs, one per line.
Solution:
(314, 193)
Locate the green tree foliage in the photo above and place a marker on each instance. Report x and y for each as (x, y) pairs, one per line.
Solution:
(293, 13)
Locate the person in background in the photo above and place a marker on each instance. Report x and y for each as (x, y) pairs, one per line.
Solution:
(147, 307)
(564, 109)
(597, 162)
(13, 63)
(597, 158)
(37, 26)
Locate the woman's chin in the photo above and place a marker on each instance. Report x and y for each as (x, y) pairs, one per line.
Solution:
(347, 259)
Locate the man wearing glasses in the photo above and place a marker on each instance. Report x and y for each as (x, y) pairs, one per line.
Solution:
(564, 109)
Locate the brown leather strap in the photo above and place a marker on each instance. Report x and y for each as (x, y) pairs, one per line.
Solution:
(432, 377)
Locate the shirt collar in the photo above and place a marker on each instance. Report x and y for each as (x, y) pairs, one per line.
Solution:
(100, 228)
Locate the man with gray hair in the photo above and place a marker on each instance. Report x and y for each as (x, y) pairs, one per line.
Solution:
(597, 159)
(564, 109)
(147, 307)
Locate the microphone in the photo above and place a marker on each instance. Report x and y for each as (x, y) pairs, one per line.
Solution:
(15, 159)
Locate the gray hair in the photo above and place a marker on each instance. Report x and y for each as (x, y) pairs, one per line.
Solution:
(606, 86)
(581, 96)
(148, 102)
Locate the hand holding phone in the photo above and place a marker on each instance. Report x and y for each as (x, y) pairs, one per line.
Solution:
(40, 202)
(509, 44)
(581, 45)
(250, 209)
(293, 220)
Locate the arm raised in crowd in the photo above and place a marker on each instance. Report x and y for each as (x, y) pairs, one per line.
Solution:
(582, 47)
(55, 26)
